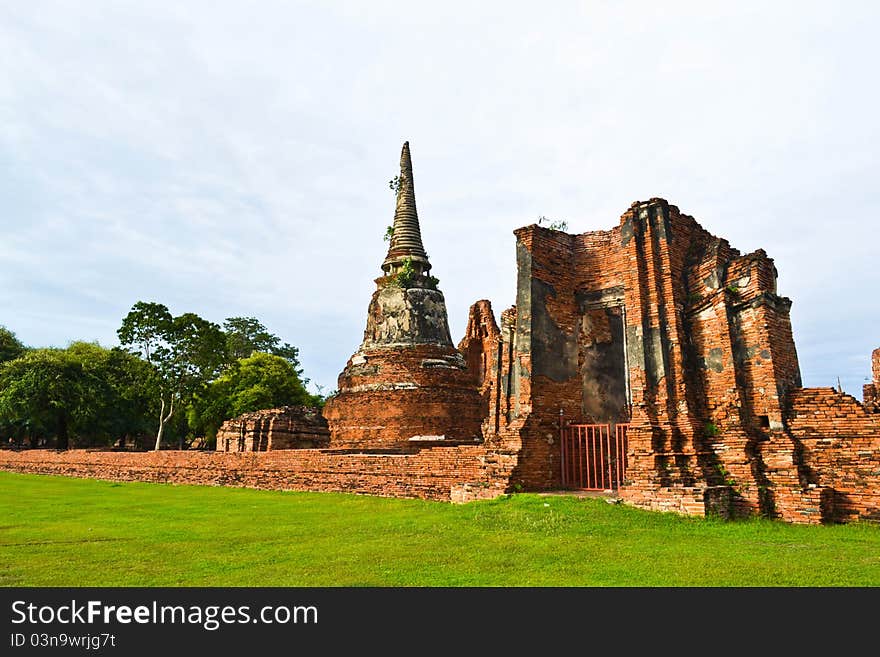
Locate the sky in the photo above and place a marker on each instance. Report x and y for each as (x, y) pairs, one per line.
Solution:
(233, 159)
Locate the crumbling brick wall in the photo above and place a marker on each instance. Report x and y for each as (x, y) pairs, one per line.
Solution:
(705, 359)
(288, 427)
(604, 333)
(871, 391)
(839, 448)
(481, 343)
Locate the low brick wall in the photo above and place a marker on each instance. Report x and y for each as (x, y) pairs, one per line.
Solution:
(460, 473)
(840, 443)
(686, 500)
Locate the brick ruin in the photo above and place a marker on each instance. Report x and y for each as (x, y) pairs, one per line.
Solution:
(660, 326)
(871, 391)
(655, 327)
(288, 427)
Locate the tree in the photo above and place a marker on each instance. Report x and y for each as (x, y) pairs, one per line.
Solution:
(247, 335)
(187, 352)
(110, 404)
(251, 384)
(41, 392)
(84, 391)
(134, 384)
(10, 346)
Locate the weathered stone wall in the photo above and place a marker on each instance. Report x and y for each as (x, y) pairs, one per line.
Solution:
(687, 500)
(457, 473)
(400, 317)
(289, 427)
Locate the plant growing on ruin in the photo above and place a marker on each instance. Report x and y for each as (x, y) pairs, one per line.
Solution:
(394, 184)
(431, 282)
(726, 476)
(389, 233)
(559, 224)
(733, 289)
(407, 274)
(694, 298)
(711, 430)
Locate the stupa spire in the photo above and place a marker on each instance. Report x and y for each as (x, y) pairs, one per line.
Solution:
(406, 240)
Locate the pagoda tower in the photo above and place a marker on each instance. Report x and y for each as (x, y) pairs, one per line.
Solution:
(407, 385)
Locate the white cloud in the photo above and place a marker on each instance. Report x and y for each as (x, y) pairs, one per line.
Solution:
(232, 159)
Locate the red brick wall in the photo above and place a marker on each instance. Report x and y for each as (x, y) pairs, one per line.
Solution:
(551, 282)
(455, 473)
(839, 449)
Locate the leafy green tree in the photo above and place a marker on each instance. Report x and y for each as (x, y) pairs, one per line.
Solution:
(134, 384)
(85, 391)
(187, 353)
(251, 384)
(10, 346)
(247, 335)
(124, 387)
(42, 392)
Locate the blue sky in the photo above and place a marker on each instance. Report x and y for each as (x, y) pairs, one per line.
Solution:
(233, 158)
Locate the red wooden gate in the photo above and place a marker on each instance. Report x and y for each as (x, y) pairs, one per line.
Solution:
(593, 459)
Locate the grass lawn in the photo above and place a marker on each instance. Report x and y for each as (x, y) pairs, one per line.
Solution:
(76, 532)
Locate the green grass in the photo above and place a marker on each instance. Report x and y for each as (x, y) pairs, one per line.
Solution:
(77, 532)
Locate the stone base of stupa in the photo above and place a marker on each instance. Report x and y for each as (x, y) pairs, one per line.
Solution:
(406, 386)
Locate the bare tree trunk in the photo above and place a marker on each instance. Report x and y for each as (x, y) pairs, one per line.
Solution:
(163, 419)
(161, 425)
